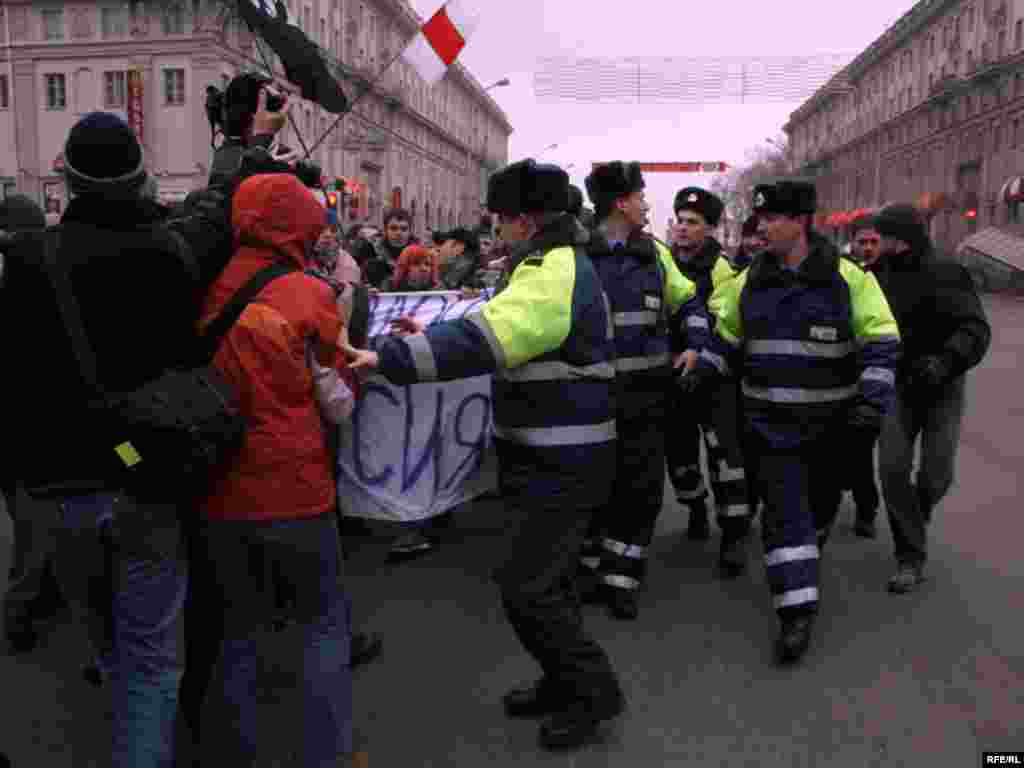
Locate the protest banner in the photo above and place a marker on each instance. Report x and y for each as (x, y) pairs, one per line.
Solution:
(413, 452)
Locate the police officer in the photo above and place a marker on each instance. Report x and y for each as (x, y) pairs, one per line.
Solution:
(866, 248)
(648, 297)
(546, 337)
(701, 258)
(818, 347)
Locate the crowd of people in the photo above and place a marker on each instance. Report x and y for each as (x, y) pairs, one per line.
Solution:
(613, 355)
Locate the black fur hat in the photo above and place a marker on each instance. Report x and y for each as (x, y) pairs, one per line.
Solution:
(701, 201)
(575, 200)
(528, 187)
(610, 181)
(790, 197)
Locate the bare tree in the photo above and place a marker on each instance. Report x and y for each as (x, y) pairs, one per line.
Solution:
(763, 162)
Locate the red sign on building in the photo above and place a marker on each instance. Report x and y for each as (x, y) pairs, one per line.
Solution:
(136, 117)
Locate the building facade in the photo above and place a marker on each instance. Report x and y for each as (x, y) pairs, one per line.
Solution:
(930, 113)
(429, 150)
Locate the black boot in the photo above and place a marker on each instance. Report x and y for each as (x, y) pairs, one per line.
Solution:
(864, 527)
(21, 635)
(699, 529)
(622, 603)
(365, 648)
(588, 585)
(732, 556)
(925, 505)
(538, 700)
(794, 638)
(577, 725)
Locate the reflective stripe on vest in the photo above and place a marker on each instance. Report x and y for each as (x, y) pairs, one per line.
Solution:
(800, 348)
(557, 370)
(716, 360)
(480, 321)
(696, 321)
(630, 364)
(422, 357)
(608, 313)
(642, 317)
(795, 396)
(587, 434)
(884, 375)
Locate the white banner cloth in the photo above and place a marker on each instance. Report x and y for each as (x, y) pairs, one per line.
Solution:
(413, 452)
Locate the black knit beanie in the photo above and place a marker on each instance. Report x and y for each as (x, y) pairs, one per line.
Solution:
(103, 156)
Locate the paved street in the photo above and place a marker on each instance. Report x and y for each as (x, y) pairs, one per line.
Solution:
(930, 679)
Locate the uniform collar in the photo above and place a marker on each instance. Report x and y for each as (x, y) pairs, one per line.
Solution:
(640, 245)
(820, 266)
(705, 257)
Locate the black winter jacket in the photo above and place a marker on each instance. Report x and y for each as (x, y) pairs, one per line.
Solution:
(136, 286)
(937, 309)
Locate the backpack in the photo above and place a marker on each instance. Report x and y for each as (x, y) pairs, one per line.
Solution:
(171, 437)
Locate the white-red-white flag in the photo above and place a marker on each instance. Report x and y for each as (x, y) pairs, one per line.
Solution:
(440, 41)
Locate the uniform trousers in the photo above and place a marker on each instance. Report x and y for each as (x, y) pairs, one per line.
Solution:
(800, 489)
(716, 416)
(622, 530)
(536, 578)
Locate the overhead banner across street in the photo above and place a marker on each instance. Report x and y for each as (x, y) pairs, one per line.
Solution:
(413, 452)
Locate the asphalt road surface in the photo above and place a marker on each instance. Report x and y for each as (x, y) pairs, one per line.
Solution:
(928, 679)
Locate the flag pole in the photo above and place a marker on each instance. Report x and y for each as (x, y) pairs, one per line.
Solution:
(270, 71)
(369, 87)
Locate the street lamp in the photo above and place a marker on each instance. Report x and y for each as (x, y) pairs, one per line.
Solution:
(500, 84)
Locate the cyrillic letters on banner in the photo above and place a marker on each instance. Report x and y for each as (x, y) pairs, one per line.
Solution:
(414, 452)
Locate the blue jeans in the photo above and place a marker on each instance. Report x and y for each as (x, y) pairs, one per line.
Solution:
(121, 566)
(264, 570)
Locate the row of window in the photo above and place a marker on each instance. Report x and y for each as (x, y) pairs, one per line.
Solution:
(903, 63)
(115, 89)
(115, 20)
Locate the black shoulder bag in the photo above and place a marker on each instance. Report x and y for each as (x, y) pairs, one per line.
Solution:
(168, 439)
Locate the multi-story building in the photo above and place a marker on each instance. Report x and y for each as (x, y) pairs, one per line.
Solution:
(426, 149)
(931, 113)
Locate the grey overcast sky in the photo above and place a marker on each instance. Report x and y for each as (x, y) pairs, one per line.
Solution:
(513, 34)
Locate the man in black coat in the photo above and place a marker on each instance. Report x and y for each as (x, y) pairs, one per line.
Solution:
(945, 333)
(119, 558)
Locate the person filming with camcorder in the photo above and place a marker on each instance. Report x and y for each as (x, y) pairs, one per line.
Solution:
(250, 114)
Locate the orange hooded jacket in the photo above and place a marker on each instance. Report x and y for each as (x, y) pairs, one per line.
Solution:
(284, 470)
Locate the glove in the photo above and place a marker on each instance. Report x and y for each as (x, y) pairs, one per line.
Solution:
(693, 383)
(866, 420)
(930, 372)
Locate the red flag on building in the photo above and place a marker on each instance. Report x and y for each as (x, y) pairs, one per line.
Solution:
(440, 41)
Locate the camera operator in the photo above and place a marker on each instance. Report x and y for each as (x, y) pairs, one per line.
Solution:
(251, 113)
(253, 108)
